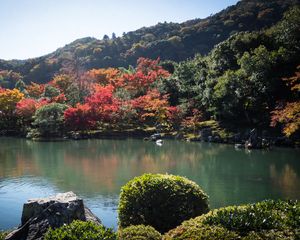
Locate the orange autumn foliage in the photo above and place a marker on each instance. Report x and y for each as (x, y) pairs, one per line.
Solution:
(62, 81)
(35, 90)
(289, 115)
(103, 76)
(147, 72)
(152, 105)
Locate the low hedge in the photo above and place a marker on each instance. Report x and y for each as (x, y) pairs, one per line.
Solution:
(200, 232)
(81, 230)
(160, 200)
(139, 232)
(273, 235)
(264, 215)
(264, 220)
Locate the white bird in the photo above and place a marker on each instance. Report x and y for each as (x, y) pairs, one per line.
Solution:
(159, 142)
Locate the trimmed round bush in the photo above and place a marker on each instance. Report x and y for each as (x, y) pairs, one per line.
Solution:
(81, 230)
(267, 220)
(160, 200)
(139, 232)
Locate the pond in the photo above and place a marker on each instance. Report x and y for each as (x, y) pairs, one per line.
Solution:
(96, 169)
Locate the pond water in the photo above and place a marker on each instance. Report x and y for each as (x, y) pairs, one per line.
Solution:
(96, 169)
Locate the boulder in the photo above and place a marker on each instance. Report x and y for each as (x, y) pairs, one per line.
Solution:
(206, 134)
(217, 138)
(40, 214)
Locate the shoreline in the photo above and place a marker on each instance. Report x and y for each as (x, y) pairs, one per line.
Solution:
(152, 135)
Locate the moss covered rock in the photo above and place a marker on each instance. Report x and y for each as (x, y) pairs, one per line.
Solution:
(160, 200)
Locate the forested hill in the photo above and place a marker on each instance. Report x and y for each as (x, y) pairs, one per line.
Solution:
(169, 41)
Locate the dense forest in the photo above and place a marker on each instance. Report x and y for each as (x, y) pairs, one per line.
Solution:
(237, 69)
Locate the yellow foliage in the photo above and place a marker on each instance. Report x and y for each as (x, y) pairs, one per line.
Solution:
(9, 99)
(62, 81)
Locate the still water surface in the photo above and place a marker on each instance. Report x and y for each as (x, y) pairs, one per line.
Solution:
(96, 169)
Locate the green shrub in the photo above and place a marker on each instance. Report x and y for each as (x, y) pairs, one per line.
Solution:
(200, 232)
(139, 232)
(255, 217)
(272, 235)
(80, 230)
(161, 201)
(267, 220)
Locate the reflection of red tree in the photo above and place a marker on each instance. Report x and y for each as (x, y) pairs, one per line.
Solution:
(148, 163)
(100, 172)
(162, 163)
(21, 167)
(105, 170)
(286, 179)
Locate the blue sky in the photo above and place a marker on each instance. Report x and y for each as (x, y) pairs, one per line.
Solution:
(31, 28)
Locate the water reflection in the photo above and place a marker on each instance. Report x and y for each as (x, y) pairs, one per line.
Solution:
(96, 170)
(286, 179)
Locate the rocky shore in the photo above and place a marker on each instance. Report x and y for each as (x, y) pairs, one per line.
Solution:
(247, 138)
(40, 214)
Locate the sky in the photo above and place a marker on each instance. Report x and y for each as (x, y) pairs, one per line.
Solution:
(32, 28)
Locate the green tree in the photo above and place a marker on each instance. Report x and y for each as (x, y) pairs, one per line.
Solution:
(229, 95)
(51, 92)
(287, 31)
(73, 94)
(190, 77)
(49, 120)
(21, 86)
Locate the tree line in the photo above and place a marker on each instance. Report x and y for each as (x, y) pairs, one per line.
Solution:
(249, 80)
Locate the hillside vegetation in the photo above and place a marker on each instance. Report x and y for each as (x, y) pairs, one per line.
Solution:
(169, 41)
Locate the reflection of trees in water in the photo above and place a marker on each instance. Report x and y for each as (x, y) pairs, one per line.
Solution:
(231, 177)
(95, 167)
(287, 180)
(13, 160)
(93, 174)
(102, 165)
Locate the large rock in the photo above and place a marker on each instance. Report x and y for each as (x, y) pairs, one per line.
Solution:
(40, 214)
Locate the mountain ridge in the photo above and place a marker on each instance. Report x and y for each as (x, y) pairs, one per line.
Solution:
(168, 41)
